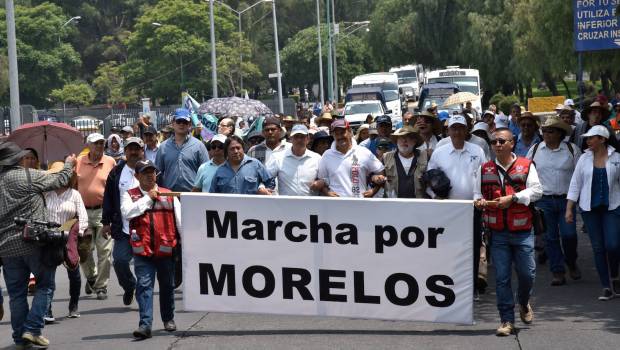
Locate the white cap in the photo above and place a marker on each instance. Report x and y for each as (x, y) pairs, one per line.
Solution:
(94, 137)
(481, 126)
(457, 119)
(488, 111)
(299, 129)
(219, 138)
(597, 130)
(569, 102)
(127, 128)
(501, 121)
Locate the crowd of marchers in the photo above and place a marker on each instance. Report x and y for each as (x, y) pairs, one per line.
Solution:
(516, 169)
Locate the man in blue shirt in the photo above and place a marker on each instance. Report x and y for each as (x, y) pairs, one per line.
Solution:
(241, 174)
(208, 169)
(384, 129)
(180, 156)
(515, 114)
(529, 136)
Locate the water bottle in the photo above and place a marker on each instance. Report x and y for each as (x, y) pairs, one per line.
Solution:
(134, 236)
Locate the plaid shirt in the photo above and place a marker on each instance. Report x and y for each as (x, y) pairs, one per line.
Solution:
(23, 200)
(263, 153)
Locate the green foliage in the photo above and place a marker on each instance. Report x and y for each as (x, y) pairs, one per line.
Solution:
(76, 93)
(4, 78)
(496, 99)
(300, 59)
(44, 63)
(109, 84)
(507, 102)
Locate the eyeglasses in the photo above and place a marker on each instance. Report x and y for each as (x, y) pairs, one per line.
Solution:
(548, 131)
(500, 141)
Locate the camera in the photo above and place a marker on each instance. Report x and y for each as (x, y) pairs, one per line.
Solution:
(41, 232)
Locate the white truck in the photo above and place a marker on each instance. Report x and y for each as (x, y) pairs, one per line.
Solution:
(465, 79)
(388, 82)
(408, 81)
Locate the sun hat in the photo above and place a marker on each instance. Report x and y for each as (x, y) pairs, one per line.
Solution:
(407, 130)
(10, 153)
(557, 123)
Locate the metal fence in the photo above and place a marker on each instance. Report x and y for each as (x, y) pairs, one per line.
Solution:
(101, 119)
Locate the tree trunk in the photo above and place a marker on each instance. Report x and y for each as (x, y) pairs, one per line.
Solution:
(568, 95)
(605, 77)
(528, 90)
(616, 82)
(550, 83)
(520, 89)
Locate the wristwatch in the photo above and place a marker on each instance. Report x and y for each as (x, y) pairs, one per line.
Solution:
(514, 198)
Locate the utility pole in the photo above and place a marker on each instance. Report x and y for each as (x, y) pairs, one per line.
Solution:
(275, 36)
(318, 28)
(330, 75)
(213, 59)
(336, 89)
(13, 74)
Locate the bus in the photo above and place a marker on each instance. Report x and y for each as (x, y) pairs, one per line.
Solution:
(466, 79)
(388, 82)
(408, 80)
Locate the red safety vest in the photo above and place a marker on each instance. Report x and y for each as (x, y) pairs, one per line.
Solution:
(156, 231)
(517, 217)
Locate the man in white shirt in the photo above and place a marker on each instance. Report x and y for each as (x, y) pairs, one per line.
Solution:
(555, 162)
(272, 130)
(460, 161)
(345, 167)
(478, 141)
(150, 141)
(504, 188)
(296, 168)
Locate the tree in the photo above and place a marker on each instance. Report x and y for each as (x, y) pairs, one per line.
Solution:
(4, 78)
(109, 83)
(163, 60)
(77, 93)
(44, 64)
(300, 59)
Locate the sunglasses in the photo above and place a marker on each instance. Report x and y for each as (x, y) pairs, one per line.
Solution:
(500, 141)
(182, 122)
(217, 146)
(548, 131)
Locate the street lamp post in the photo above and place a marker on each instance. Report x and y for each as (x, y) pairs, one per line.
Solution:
(157, 24)
(275, 35)
(346, 34)
(13, 77)
(76, 18)
(318, 28)
(239, 13)
(213, 59)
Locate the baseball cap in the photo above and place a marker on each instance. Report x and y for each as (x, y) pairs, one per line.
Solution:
(142, 165)
(383, 119)
(150, 130)
(597, 130)
(501, 121)
(135, 140)
(299, 129)
(340, 123)
(127, 128)
(372, 129)
(271, 120)
(182, 114)
(488, 111)
(219, 138)
(94, 137)
(457, 119)
(569, 102)
(384, 142)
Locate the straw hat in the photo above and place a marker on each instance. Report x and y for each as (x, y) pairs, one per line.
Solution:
(407, 130)
(55, 167)
(325, 116)
(530, 115)
(437, 127)
(557, 123)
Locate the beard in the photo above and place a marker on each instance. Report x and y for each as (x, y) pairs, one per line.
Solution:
(405, 149)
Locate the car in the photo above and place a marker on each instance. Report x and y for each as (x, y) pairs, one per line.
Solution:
(355, 112)
(86, 123)
(436, 93)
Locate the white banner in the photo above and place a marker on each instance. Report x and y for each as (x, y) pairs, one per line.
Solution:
(366, 258)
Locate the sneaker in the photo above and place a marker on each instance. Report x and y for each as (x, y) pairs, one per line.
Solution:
(88, 287)
(615, 285)
(73, 310)
(558, 279)
(574, 272)
(142, 333)
(35, 339)
(102, 294)
(526, 313)
(607, 295)
(476, 295)
(170, 326)
(49, 318)
(128, 297)
(505, 329)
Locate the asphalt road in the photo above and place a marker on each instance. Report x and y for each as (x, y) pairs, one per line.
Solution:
(566, 317)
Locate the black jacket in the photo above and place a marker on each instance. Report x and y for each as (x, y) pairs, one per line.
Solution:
(111, 212)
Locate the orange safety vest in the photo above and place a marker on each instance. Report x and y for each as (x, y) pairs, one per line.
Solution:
(517, 217)
(614, 124)
(155, 230)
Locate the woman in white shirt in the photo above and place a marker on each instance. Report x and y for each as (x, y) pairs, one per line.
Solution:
(62, 205)
(596, 185)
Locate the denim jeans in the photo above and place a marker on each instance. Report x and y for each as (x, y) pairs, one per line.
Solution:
(506, 248)
(122, 255)
(604, 231)
(146, 268)
(75, 284)
(16, 275)
(564, 251)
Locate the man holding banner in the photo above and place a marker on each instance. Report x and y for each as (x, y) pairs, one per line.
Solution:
(504, 188)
